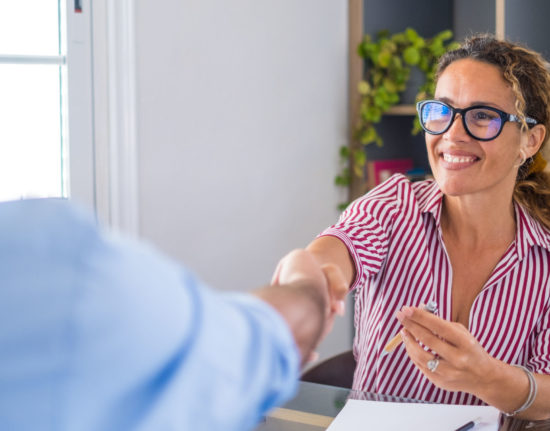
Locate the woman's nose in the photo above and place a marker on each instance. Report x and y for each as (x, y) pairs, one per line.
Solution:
(457, 132)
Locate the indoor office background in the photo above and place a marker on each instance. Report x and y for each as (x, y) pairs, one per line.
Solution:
(242, 108)
(211, 128)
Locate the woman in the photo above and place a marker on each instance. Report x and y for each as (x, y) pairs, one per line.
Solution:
(476, 240)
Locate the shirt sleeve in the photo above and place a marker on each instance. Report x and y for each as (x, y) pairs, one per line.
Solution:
(365, 228)
(179, 355)
(101, 333)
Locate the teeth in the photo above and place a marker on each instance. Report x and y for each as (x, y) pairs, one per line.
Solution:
(457, 159)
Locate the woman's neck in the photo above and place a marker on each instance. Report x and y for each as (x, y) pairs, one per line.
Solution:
(477, 222)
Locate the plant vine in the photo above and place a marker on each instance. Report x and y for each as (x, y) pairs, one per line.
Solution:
(388, 62)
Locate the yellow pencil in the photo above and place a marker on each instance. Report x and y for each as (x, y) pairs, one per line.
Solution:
(431, 306)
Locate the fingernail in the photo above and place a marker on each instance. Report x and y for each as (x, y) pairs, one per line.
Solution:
(407, 311)
(404, 336)
(400, 316)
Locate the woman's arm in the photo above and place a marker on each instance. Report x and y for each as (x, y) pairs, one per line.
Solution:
(325, 250)
(329, 249)
(463, 365)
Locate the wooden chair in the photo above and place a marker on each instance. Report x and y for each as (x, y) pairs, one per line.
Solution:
(335, 371)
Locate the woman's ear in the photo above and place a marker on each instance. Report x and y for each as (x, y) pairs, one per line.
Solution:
(535, 138)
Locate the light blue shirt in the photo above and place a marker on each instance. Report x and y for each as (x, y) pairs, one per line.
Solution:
(102, 333)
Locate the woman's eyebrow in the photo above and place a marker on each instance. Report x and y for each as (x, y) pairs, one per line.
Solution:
(474, 103)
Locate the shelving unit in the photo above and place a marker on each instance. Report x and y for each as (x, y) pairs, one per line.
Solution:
(402, 110)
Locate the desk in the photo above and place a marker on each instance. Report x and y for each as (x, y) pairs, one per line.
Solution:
(315, 406)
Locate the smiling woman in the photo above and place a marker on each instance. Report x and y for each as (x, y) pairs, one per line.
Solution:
(475, 240)
(467, 158)
(526, 77)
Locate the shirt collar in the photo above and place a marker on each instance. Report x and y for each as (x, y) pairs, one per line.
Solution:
(432, 201)
(529, 231)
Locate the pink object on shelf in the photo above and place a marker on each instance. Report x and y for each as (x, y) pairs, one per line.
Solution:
(379, 171)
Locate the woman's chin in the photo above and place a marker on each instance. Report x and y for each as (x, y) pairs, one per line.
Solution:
(452, 187)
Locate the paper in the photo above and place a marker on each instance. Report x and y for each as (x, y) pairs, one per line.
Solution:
(385, 416)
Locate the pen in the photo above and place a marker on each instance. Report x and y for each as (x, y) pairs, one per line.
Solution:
(431, 306)
(468, 425)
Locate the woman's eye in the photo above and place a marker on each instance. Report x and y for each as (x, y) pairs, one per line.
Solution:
(483, 116)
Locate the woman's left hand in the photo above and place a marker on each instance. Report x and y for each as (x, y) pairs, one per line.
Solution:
(459, 363)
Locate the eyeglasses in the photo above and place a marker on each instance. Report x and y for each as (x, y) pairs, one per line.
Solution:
(483, 123)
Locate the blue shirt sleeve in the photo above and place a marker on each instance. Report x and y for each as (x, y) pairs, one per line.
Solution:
(102, 333)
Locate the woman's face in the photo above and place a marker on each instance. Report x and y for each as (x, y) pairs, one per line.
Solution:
(461, 164)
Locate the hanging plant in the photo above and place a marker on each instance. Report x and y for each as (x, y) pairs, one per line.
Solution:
(388, 63)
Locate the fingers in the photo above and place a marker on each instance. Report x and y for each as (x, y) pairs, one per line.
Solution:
(458, 361)
(426, 336)
(452, 332)
(300, 265)
(420, 356)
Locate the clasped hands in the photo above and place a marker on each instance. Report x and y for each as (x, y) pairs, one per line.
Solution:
(301, 266)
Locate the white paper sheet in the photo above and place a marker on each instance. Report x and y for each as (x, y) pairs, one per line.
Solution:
(384, 416)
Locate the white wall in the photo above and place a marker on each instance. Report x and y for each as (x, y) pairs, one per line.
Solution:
(242, 106)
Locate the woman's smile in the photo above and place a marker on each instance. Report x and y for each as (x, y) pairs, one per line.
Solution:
(457, 160)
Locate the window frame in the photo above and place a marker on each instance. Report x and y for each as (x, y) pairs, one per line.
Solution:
(99, 103)
(80, 125)
(114, 113)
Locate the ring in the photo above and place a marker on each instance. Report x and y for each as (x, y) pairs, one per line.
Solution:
(432, 364)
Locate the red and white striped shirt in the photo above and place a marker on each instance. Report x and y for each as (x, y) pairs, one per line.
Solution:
(394, 236)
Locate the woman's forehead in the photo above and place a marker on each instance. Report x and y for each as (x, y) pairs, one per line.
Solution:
(466, 82)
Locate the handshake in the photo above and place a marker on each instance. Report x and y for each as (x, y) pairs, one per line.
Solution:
(308, 295)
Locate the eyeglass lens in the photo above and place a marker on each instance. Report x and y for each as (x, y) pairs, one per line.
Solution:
(482, 123)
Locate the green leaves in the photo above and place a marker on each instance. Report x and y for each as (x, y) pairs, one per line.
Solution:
(359, 159)
(446, 35)
(388, 61)
(363, 88)
(411, 55)
(384, 58)
(344, 151)
(369, 135)
(411, 35)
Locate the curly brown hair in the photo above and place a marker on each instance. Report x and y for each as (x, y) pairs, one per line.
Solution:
(529, 77)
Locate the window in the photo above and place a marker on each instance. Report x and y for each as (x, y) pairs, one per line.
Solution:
(36, 110)
(33, 156)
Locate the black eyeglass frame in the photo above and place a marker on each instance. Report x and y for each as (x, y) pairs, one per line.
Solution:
(504, 116)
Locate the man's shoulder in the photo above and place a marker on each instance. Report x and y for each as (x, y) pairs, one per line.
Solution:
(40, 223)
(46, 211)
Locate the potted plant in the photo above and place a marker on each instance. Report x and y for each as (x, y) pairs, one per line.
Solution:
(388, 63)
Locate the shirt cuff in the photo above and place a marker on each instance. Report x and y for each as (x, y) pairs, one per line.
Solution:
(359, 273)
